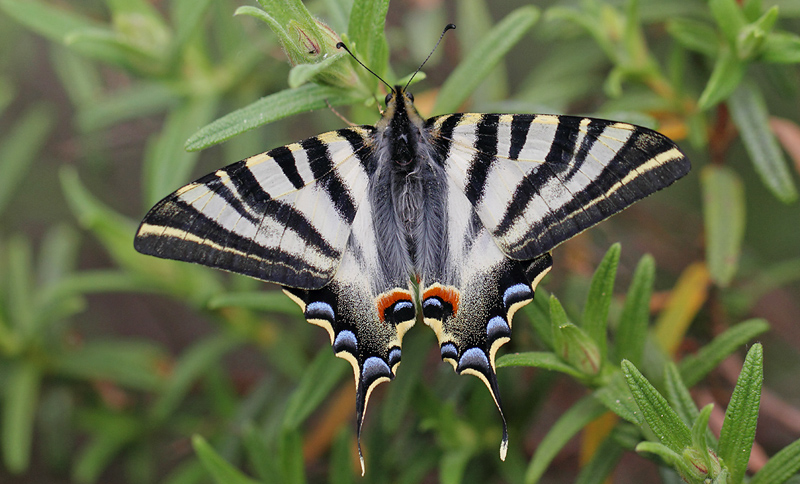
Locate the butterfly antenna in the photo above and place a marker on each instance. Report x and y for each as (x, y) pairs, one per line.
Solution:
(446, 28)
(341, 45)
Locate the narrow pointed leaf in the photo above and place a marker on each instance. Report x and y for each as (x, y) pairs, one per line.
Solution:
(22, 386)
(634, 320)
(729, 18)
(739, 427)
(168, 165)
(724, 215)
(266, 110)
(725, 78)
(570, 423)
(678, 395)
(661, 418)
(617, 397)
(780, 467)
(695, 367)
(538, 359)
(317, 382)
(19, 146)
(221, 471)
(601, 290)
(694, 35)
(367, 19)
(749, 112)
(483, 58)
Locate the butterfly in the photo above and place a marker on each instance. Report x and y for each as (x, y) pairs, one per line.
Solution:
(449, 220)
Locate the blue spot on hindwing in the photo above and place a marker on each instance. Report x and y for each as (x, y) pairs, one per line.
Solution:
(394, 356)
(516, 293)
(320, 310)
(475, 359)
(402, 311)
(497, 328)
(373, 369)
(449, 351)
(433, 308)
(345, 341)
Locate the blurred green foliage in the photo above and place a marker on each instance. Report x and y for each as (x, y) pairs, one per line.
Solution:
(81, 401)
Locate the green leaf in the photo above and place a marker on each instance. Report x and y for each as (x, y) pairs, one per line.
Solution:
(700, 427)
(341, 462)
(729, 18)
(598, 301)
(739, 427)
(290, 456)
(136, 363)
(694, 367)
(678, 394)
(167, 165)
(318, 380)
(19, 147)
(19, 283)
(725, 78)
(365, 30)
(538, 359)
(781, 48)
(570, 423)
(303, 73)
(661, 418)
(46, 19)
(751, 39)
(780, 467)
(21, 399)
(221, 471)
(617, 397)
(191, 366)
(483, 58)
(268, 109)
(694, 35)
(256, 446)
(268, 301)
(538, 314)
(188, 16)
(724, 215)
(475, 17)
(673, 459)
(111, 432)
(137, 101)
(7, 93)
(633, 322)
(749, 112)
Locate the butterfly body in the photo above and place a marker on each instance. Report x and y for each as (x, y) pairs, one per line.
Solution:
(448, 220)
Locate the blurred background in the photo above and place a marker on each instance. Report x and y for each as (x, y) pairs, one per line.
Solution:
(110, 362)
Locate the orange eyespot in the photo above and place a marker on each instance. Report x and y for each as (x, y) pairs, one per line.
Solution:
(447, 294)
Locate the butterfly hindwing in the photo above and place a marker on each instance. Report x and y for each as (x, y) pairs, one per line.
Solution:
(366, 310)
(282, 216)
(471, 304)
(537, 180)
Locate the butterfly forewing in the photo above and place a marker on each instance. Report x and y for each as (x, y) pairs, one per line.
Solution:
(283, 216)
(537, 180)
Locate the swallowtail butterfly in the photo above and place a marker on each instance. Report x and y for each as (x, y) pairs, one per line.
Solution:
(450, 220)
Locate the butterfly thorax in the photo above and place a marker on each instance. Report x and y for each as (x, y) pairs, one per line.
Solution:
(409, 201)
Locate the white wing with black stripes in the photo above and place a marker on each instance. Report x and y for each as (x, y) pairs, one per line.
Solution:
(283, 216)
(538, 180)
